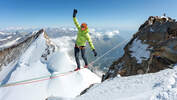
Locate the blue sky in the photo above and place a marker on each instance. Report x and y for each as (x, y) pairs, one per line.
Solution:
(122, 14)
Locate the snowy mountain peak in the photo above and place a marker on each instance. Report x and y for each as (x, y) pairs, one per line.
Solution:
(151, 49)
(42, 58)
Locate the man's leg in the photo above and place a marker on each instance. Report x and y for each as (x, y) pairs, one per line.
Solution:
(76, 53)
(84, 56)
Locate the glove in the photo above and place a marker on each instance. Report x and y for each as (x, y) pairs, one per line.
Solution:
(74, 12)
(95, 53)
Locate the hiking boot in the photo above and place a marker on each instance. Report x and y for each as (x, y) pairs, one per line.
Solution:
(86, 66)
(77, 69)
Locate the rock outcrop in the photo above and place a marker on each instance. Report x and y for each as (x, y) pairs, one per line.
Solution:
(13, 52)
(152, 48)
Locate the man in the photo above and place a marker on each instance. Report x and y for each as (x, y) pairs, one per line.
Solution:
(82, 37)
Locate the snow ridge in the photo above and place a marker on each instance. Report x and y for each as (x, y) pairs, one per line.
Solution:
(32, 65)
(156, 86)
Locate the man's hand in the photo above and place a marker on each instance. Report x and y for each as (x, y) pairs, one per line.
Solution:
(95, 53)
(74, 12)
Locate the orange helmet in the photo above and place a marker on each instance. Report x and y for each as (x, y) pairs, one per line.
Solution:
(83, 26)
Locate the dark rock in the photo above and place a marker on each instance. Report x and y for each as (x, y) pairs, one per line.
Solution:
(152, 48)
(13, 52)
(84, 91)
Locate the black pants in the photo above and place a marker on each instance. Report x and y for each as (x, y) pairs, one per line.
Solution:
(76, 52)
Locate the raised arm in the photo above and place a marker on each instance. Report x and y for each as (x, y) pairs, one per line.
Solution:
(75, 20)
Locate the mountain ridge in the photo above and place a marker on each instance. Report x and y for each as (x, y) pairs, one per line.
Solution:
(154, 44)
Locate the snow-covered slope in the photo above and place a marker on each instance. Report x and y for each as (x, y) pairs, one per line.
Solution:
(32, 65)
(156, 86)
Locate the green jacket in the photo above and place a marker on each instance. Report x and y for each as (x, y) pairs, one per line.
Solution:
(82, 36)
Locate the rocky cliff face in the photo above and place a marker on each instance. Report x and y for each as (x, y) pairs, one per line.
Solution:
(11, 53)
(152, 48)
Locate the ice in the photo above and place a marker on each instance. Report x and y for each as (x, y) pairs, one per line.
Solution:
(139, 51)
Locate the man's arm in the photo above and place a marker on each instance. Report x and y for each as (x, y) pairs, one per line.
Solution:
(75, 20)
(90, 41)
(91, 44)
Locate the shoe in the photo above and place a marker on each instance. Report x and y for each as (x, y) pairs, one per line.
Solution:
(77, 69)
(86, 66)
